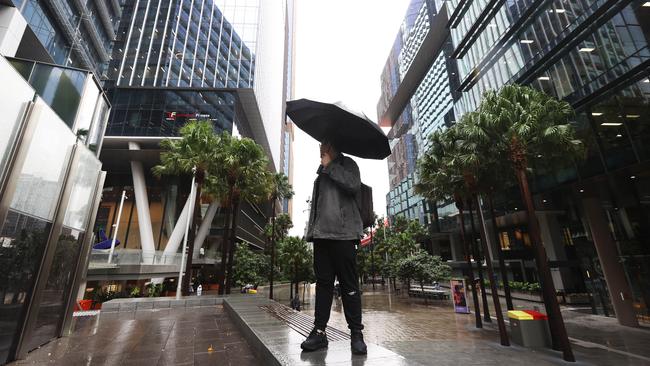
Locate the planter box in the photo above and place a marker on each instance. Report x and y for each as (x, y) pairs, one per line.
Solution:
(577, 299)
(85, 304)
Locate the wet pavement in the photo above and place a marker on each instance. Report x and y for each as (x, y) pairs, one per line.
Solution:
(434, 335)
(192, 336)
(399, 330)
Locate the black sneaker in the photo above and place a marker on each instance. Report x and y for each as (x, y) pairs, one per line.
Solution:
(357, 344)
(316, 340)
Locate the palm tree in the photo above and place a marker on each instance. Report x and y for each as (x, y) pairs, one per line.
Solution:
(461, 162)
(294, 255)
(281, 189)
(197, 148)
(525, 124)
(438, 182)
(240, 174)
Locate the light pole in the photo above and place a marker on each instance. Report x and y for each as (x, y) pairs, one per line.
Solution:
(187, 229)
(372, 256)
(117, 226)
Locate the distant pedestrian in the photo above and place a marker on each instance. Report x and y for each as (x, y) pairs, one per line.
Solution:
(199, 290)
(335, 227)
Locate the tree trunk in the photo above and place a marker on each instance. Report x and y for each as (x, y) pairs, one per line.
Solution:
(493, 286)
(225, 244)
(272, 249)
(296, 284)
(502, 265)
(190, 239)
(470, 270)
(479, 259)
(558, 331)
(426, 301)
(233, 246)
(372, 258)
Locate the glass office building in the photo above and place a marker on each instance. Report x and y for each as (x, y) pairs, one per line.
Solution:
(68, 32)
(175, 62)
(429, 108)
(593, 54)
(50, 182)
(187, 44)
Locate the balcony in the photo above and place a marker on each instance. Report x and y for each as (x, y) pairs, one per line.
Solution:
(132, 264)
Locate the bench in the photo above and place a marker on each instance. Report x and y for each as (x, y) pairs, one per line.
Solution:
(430, 291)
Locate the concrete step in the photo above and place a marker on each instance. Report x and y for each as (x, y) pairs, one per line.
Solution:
(275, 332)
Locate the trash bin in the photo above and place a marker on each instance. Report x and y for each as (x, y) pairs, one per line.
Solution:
(529, 328)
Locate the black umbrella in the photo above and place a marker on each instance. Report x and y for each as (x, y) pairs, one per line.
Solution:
(352, 132)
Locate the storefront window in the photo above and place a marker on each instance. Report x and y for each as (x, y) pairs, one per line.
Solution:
(32, 209)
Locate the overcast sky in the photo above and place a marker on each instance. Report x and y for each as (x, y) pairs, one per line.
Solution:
(341, 50)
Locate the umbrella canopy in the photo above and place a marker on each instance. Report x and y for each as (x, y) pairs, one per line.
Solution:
(351, 132)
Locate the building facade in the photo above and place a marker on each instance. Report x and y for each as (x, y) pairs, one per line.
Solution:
(54, 120)
(429, 108)
(175, 62)
(74, 33)
(50, 182)
(593, 217)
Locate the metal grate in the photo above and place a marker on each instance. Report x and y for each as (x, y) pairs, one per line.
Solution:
(302, 323)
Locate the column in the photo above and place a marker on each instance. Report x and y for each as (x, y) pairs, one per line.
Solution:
(177, 234)
(205, 227)
(554, 244)
(142, 205)
(457, 252)
(619, 289)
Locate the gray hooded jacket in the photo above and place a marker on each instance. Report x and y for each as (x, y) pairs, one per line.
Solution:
(334, 211)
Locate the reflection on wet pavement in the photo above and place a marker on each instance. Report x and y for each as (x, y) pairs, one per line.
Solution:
(192, 336)
(434, 334)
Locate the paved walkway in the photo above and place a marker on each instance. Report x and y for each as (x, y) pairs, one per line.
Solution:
(399, 331)
(434, 335)
(192, 336)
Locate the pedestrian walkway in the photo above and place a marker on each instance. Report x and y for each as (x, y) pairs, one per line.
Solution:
(435, 335)
(595, 332)
(252, 330)
(150, 337)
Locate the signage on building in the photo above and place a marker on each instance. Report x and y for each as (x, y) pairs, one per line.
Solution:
(172, 116)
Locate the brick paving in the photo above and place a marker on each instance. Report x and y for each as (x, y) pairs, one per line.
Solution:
(192, 336)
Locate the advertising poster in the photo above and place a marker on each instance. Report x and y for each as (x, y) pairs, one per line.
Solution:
(459, 296)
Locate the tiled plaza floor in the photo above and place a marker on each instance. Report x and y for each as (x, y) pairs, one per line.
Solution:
(192, 336)
(395, 325)
(435, 335)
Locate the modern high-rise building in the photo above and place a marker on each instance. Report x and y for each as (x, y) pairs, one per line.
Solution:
(287, 155)
(71, 33)
(594, 217)
(428, 108)
(54, 117)
(174, 62)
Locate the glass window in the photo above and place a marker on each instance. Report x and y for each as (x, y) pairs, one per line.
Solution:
(27, 226)
(60, 88)
(14, 98)
(52, 306)
(86, 109)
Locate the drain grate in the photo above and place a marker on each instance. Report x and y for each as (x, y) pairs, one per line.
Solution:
(302, 323)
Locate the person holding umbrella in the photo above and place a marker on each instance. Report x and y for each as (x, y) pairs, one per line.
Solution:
(335, 225)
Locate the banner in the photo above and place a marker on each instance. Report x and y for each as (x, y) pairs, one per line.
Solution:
(459, 295)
